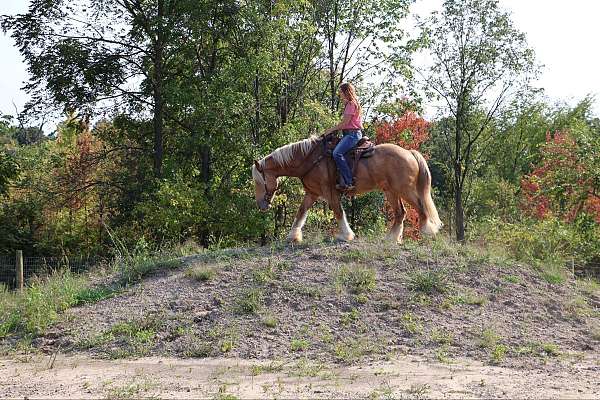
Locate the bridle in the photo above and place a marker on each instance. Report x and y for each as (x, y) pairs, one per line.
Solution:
(269, 195)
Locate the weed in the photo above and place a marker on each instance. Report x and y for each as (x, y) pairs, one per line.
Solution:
(305, 367)
(498, 353)
(227, 345)
(39, 305)
(512, 279)
(95, 294)
(428, 282)
(266, 368)
(270, 321)
(579, 306)
(201, 273)
(488, 339)
(195, 348)
(349, 317)
(442, 354)
(442, 336)
(352, 349)
(264, 275)
(133, 390)
(312, 291)
(411, 324)
(358, 279)
(362, 298)
(554, 278)
(467, 298)
(250, 301)
(358, 255)
(550, 349)
(418, 390)
(299, 344)
(384, 392)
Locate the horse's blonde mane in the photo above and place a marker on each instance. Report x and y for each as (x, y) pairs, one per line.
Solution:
(283, 156)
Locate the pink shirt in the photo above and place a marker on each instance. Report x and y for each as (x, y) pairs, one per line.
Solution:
(355, 119)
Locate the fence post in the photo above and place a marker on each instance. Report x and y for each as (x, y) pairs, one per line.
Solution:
(19, 270)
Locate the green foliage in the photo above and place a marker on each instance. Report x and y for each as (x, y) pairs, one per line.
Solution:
(41, 303)
(549, 240)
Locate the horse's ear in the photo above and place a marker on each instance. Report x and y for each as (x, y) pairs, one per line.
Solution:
(258, 167)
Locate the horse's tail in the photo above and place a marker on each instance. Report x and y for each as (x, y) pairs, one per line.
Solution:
(432, 224)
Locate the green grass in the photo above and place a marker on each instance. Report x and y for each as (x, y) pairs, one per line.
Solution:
(350, 317)
(201, 273)
(498, 353)
(250, 301)
(353, 349)
(299, 344)
(40, 304)
(441, 336)
(512, 279)
(554, 278)
(270, 321)
(488, 338)
(428, 282)
(358, 279)
(95, 294)
(264, 275)
(411, 324)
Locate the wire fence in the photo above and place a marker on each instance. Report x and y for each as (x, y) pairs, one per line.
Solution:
(42, 266)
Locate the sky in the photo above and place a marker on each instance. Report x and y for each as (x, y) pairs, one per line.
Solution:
(563, 34)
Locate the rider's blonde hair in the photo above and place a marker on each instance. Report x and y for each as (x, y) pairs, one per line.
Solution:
(350, 93)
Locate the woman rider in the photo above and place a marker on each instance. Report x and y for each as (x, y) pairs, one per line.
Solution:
(351, 127)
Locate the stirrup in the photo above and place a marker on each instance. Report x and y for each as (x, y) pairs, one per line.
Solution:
(345, 188)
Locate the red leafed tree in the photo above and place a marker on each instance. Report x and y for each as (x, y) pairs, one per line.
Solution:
(564, 185)
(409, 131)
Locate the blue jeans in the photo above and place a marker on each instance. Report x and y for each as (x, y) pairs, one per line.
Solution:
(347, 142)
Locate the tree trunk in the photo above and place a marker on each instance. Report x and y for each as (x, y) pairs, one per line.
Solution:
(158, 118)
(205, 173)
(459, 216)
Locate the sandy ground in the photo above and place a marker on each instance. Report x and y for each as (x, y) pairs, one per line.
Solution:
(402, 377)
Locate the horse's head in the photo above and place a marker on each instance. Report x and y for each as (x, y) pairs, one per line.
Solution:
(265, 185)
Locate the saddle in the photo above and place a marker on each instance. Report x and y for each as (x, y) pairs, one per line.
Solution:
(363, 149)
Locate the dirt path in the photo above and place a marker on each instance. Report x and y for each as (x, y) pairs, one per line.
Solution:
(402, 377)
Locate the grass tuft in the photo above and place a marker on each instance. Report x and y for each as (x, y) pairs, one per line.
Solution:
(249, 302)
(428, 282)
(201, 273)
(358, 279)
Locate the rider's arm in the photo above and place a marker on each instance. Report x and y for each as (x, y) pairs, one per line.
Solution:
(345, 121)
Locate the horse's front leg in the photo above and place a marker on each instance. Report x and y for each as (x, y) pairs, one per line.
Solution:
(295, 235)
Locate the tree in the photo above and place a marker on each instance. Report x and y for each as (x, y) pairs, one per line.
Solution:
(9, 169)
(479, 61)
(566, 181)
(120, 54)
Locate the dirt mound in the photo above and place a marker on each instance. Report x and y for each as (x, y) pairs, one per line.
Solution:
(341, 303)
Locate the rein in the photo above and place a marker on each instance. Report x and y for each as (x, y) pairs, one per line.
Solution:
(269, 194)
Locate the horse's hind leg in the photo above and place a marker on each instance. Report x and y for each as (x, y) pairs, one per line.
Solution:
(295, 235)
(345, 233)
(399, 213)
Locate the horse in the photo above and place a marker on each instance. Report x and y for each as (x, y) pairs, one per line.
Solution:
(402, 175)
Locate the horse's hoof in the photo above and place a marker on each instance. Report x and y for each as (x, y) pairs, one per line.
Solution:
(344, 238)
(294, 239)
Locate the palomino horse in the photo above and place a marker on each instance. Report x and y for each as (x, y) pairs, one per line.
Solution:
(399, 173)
